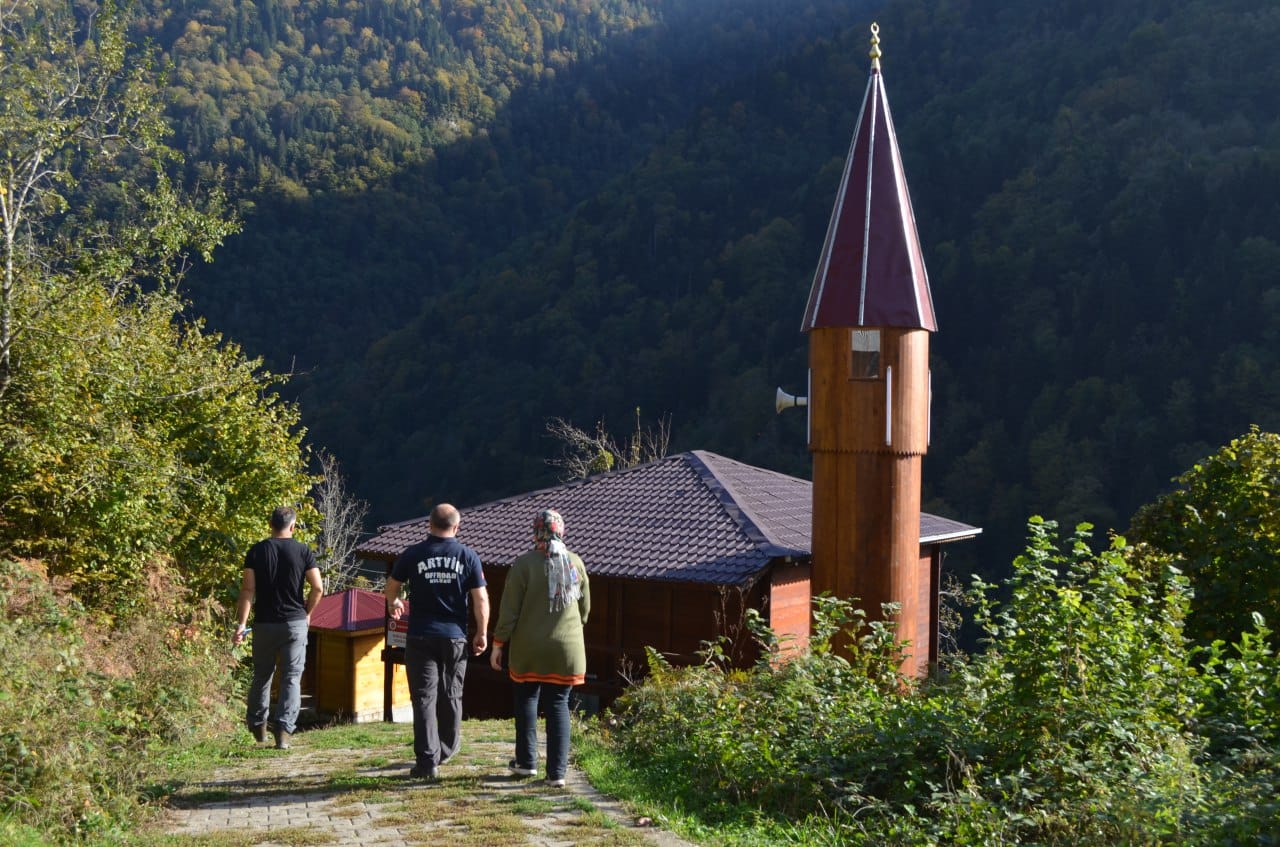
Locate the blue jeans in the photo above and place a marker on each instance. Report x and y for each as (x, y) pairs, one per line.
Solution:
(555, 705)
(288, 643)
(436, 669)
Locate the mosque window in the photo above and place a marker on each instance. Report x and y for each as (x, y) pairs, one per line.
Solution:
(865, 359)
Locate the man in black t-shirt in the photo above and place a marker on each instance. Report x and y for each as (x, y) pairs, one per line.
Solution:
(445, 582)
(275, 571)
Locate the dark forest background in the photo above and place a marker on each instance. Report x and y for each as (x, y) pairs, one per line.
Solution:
(464, 218)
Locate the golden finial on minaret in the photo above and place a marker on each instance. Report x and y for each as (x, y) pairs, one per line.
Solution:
(875, 46)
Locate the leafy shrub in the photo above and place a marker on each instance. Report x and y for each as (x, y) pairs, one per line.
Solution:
(86, 707)
(1239, 719)
(1222, 527)
(1083, 695)
(758, 736)
(1087, 720)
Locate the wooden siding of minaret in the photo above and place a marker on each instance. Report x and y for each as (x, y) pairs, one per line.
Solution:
(868, 318)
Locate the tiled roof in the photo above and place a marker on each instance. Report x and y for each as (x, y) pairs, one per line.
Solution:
(691, 517)
(353, 610)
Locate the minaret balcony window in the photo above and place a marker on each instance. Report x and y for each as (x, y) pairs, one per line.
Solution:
(864, 360)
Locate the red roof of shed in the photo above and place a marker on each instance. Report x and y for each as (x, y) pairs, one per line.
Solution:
(353, 610)
(871, 271)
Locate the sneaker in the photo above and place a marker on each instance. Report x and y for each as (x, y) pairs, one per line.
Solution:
(259, 731)
(283, 739)
(554, 783)
(417, 772)
(515, 768)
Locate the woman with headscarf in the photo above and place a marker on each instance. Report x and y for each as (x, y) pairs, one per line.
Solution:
(544, 605)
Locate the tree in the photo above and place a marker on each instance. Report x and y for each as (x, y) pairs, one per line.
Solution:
(1222, 526)
(583, 454)
(126, 433)
(341, 522)
(84, 198)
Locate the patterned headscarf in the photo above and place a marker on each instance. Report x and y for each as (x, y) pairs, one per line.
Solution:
(563, 584)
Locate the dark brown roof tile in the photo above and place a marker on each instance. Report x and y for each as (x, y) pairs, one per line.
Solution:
(692, 517)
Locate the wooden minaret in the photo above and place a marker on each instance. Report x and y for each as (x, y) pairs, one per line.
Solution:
(869, 317)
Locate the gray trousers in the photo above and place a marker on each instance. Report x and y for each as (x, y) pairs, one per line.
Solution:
(436, 669)
(288, 643)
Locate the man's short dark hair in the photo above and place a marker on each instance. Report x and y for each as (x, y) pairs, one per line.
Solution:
(282, 517)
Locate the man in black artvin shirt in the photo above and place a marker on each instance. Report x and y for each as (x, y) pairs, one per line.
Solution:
(446, 587)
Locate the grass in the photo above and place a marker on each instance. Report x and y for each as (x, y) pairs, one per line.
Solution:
(18, 835)
(362, 769)
(531, 806)
(294, 836)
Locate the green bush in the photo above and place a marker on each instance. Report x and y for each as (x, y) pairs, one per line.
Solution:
(758, 737)
(1088, 719)
(1222, 528)
(1083, 695)
(1239, 719)
(87, 709)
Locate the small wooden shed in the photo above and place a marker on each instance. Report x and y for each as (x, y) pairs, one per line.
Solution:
(344, 659)
(676, 550)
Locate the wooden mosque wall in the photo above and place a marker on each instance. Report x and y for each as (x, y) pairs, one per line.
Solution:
(868, 437)
(674, 618)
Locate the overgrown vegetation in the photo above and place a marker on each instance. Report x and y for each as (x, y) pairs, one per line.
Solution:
(1087, 719)
(127, 433)
(90, 712)
(1222, 527)
(139, 454)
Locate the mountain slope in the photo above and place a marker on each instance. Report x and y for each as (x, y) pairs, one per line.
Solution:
(1095, 196)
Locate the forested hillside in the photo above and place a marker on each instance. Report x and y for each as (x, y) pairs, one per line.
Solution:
(464, 218)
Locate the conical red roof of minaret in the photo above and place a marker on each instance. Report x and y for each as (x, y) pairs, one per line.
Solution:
(871, 272)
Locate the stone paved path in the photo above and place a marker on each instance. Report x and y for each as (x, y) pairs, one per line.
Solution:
(364, 798)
